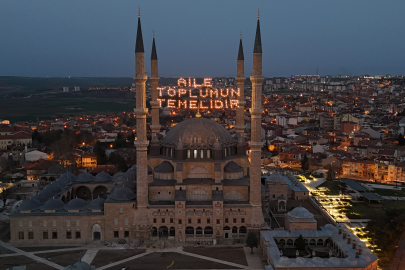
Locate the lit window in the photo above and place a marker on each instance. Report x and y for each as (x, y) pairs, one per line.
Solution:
(195, 153)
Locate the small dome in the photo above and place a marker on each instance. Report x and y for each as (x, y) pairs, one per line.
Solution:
(69, 176)
(165, 167)
(365, 258)
(47, 192)
(117, 177)
(232, 166)
(129, 175)
(351, 261)
(85, 177)
(317, 261)
(96, 204)
(30, 204)
(129, 184)
(334, 261)
(300, 261)
(62, 181)
(102, 177)
(53, 204)
(55, 187)
(300, 213)
(122, 194)
(284, 261)
(40, 197)
(76, 204)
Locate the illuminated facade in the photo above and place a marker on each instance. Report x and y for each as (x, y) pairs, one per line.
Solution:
(196, 184)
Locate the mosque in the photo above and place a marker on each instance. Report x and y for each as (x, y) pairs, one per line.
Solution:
(195, 185)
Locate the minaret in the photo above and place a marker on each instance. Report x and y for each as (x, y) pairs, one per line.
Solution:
(256, 216)
(154, 82)
(240, 84)
(141, 143)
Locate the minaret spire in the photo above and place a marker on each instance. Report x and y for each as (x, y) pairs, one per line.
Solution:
(256, 216)
(154, 83)
(139, 39)
(240, 53)
(240, 84)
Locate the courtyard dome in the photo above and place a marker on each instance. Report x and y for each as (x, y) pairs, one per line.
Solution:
(165, 166)
(85, 177)
(69, 176)
(40, 197)
(96, 204)
(78, 266)
(63, 181)
(30, 204)
(118, 176)
(76, 204)
(122, 194)
(232, 166)
(102, 177)
(55, 187)
(53, 204)
(300, 213)
(47, 192)
(129, 184)
(129, 175)
(198, 130)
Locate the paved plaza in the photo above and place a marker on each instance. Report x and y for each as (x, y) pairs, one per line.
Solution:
(49, 258)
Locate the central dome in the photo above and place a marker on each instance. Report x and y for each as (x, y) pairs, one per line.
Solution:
(198, 131)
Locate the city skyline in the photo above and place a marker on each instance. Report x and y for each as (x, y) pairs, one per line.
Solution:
(80, 39)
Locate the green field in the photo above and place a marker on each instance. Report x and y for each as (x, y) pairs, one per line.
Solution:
(363, 211)
(333, 187)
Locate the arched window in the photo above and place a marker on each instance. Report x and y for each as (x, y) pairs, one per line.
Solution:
(208, 153)
(163, 213)
(172, 231)
(198, 195)
(319, 242)
(208, 230)
(234, 212)
(226, 228)
(155, 213)
(195, 153)
(199, 230)
(290, 242)
(21, 234)
(233, 195)
(68, 234)
(242, 229)
(242, 213)
(189, 213)
(188, 153)
(312, 242)
(202, 153)
(45, 234)
(189, 230)
(78, 233)
(171, 213)
(198, 213)
(54, 234)
(234, 229)
(208, 213)
(226, 213)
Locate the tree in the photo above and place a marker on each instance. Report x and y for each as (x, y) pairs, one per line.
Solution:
(251, 241)
(100, 152)
(300, 244)
(401, 139)
(305, 163)
(330, 175)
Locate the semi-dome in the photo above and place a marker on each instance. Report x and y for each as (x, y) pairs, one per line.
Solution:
(300, 213)
(198, 130)
(122, 194)
(76, 204)
(30, 204)
(165, 166)
(232, 166)
(53, 204)
(102, 177)
(85, 177)
(96, 204)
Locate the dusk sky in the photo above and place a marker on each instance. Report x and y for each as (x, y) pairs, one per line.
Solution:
(96, 38)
